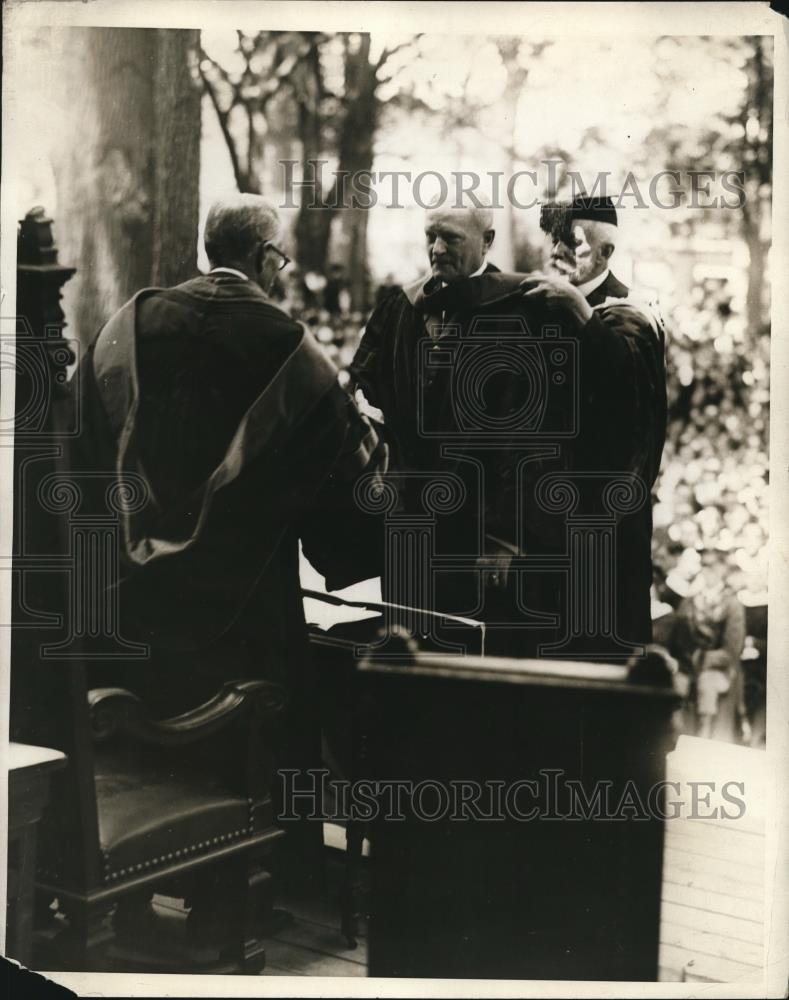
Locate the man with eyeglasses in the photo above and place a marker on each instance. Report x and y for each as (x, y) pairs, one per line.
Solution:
(229, 422)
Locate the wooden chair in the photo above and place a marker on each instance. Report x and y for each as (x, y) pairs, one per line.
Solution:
(181, 807)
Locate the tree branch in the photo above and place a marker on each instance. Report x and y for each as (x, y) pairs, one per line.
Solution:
(387, 54)
(222, 117)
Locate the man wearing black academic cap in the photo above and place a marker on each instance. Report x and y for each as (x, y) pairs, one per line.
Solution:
(621, 379)
(583, 239)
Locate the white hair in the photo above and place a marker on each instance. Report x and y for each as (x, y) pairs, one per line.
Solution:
(237, 225)
(597, 232)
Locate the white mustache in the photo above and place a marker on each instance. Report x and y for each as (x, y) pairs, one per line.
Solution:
(562, 266)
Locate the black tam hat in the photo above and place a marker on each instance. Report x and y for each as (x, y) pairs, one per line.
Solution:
(557, 217)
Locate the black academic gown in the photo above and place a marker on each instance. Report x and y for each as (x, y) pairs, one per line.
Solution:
(611, 288)
(215, 434)
(588, 401)
(452, 418)
(624, 411)
(226, 421)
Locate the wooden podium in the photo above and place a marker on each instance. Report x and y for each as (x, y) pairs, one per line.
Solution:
(513, 890)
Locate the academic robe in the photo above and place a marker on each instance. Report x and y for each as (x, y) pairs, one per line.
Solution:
(623, 427)
(592, 401)
(611, 288)
(218, 428)
(215, 436)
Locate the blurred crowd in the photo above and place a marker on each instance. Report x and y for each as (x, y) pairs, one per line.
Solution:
(710, 515)
(712, 492)
(710, 541)
(323, 303)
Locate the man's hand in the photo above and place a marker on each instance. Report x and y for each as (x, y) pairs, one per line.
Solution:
(558, 294)
(495, 563)
(366, 408)
(495, 569)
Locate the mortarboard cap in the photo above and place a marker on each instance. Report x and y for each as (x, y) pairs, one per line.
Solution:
(600, 208)
(557, 218)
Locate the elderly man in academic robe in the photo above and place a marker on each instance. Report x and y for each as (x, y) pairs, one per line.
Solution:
(623, 386)
(511, 384)
(231, 440)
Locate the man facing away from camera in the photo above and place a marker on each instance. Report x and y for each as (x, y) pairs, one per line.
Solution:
(530, 382)
(226, 419)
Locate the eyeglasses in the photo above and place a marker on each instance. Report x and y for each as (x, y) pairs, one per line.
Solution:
(284, 259)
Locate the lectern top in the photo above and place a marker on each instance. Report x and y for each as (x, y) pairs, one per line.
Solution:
(613, 678)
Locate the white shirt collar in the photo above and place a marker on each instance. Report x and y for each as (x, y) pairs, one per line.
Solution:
(228, 270)
(588, 287)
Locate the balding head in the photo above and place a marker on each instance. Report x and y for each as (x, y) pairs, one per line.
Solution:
(236, 231)
(458, 238)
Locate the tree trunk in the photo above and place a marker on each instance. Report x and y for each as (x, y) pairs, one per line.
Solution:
(754, 297)
(313, 223)
(356, 156)
(126, 165)
(506, 236)
(176, 159)
(758, 157)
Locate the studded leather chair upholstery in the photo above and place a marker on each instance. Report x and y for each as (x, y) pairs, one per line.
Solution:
(180, 806)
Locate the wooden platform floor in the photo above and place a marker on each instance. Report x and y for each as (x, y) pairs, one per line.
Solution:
(712, 923)
(313, 944)
(712, 910)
